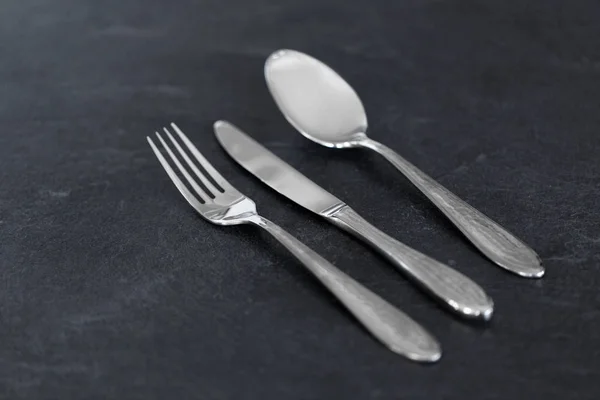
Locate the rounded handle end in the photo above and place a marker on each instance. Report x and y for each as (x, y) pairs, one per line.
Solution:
(483, 311)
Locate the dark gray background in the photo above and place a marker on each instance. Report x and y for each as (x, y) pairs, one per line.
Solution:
(111, 286)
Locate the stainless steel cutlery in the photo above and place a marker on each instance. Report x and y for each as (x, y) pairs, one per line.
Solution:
(325, 109)
(453, 289)
(225, 205)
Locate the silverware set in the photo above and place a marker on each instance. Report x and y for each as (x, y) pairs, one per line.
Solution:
(324, 108)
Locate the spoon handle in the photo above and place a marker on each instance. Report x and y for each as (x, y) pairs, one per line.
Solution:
(452, 288)
(499, 245)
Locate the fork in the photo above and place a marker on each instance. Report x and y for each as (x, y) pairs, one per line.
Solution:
(225, 205)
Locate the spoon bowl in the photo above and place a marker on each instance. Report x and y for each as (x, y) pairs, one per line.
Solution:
(315, 99)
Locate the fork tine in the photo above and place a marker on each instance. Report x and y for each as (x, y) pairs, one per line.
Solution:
(199, 191)
(180, 186)
(203, 161)
(207, 184)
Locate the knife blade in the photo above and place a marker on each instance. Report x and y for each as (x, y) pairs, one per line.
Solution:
(456, 291)
(273, 171)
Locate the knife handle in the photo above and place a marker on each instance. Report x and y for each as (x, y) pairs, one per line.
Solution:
(392, 327)
(452, 288)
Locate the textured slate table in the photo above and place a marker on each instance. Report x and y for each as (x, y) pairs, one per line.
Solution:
(111, 287)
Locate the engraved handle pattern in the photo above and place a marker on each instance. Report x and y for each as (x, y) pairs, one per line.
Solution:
(499, 245)
(392, 327)
(452, 288)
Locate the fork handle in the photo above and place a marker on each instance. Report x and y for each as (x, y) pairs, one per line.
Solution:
(452, 288)
(392, 327)
(499, 245)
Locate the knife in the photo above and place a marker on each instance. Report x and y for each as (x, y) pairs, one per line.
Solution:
(453, 289)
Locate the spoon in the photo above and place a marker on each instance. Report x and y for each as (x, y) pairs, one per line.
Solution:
(325, 109)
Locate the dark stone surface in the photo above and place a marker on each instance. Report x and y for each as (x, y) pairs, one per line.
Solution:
(111, 286)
